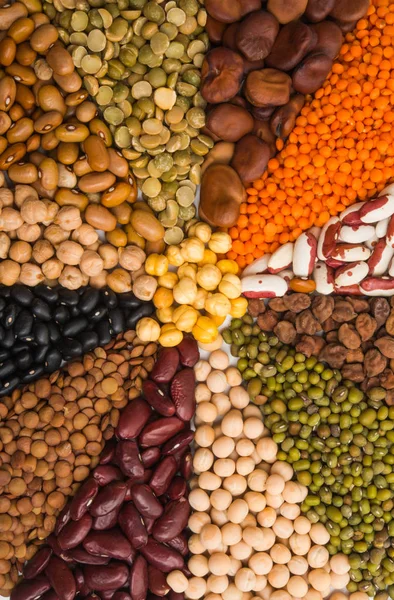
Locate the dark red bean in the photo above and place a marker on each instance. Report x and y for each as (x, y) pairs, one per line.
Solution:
(160, 431)
(108, 577)
(61, 578)
(157, 582)
(106, 521)
(166, 365)
(150, 456)
(133, 418)
(74, 532)
(54, 545)
(50, 595)
(107, 594)
(163, 474)
(158, 399)
(132, 526)
(105, 474)
(176, 444)
(182, 394)
(179, 543)
(83, 498)
(92, 597)
(63, 518)
(149, 522)
(31, 589)
(111, 543)
(189, 353)
(186, 465)
(82, 588)
(37, 564)
(147, 476)
(162, 557)
(121, 596)
(108, 499)
(173, 520)
(145, 501)
(108, 452)
(139, 579)
(84, 558)
(129, 460)
(177, 489)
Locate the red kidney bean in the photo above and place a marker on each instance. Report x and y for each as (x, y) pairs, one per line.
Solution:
(37, 564)
(108, 499)
(32, 589)
(182, 394)
(133, 526)
(163, 474)
(145, 501)
(189, 353)
(133, 419)
(106, 521)
(160, 431)
(82, 588)
(54, 545)
(178, 443)
(149, 522)
(92, 596)
(83, 498)
(166, 365)
(162, 557)
(81, 556)
(105, 474)
(139, 579)
(186, 465)
(50, 595)
(173, 520)
(157, 582)
(129, 460)
(147, 476)
(150, 456)
(63, 518)
(107, 594)
(158, 399)
(111, 543)
(109, 577)
(121, 596)
(175, 595)
(177, 489)
(61, 578)
(74, 532)
(179, 543)
(108, 453)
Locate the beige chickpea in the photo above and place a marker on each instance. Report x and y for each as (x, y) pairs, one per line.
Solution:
(257, 480)
(221, 499)
(55, 234)
(253, 536)
(210, 535)
(237, 511)
(339, 582)
(261, 563)
(91, 263)
(9, 272)
(278, 576)
(339, 564)
(268, 540)
(212, 596)
(319, 579)
(290, 511)
(202, 393)
(28, 233)
(99, 281)
(280, 554)
(302, 525)
(7, 197)
(239, 397)
(219, 360)
(196, 588)
(177, 581)
(10, 219)
(33, 211)
(198, 565)
(241, 551)
(299, 544)
(297, 586)
(245, 580)
(52, 209)
(224, 467)
(21, 192)
(275, 484)
(223, 446)
(217, 382)
(253, 428)
(20, 252)
(256, 501)
(232, 593)
(236, 484)
(72, 278)
(219, 564)
(197, 520)
(232, 423)
(233, 376)
(202, 369)
(144, 287)
(109, 255)
(231, 534)
(245, 465)
(70, 253)
(194, 544)
(292, 492)
(236, 565)
(85, 235)
(252, 411)
(222, 403)
(274, 501)
(283, 528)
(204, 436)
(219, 518)
(249, 521)
(5, 243)
(217, 584)
(202, 460)
(283, 469)
(69, 218)
(267, 517)
(267, 449)
(319, 534)
(30, 274)
(42, 251)
(209, 481)
(318, 557)
(52, 268)
(245, 447)
(298, 565)
(260, 584)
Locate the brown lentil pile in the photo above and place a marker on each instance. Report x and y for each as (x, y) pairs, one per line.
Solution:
(51, 435)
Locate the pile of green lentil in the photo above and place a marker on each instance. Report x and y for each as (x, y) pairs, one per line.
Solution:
(340, 443)
(140, 63)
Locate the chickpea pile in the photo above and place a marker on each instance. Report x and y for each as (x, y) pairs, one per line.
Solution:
(51, 435)
(192, 287)
(248, 539)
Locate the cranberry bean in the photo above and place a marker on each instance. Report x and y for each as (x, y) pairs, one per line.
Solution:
(129, 460)
(157, 582)
(81, 556)
(61, 578)
(160, 431)
(108, 499)
(158, 399)
(109, 577)
(133, 526)
(32, 589)
(74, 532)
(63, 518)
(173, 520)
(150, 456)
(108, 452)
(82, 588)
(37, 564)
(187, 465)
(166, 365)
(163, 474)
(146, 502)
(83, 498)
(133, 419)
(139, 579)
(106, 521)
(189, 353)
(178, 443)
(105, 474)
(162, 557)
(182, 394)
(111, 543)
(177, 489)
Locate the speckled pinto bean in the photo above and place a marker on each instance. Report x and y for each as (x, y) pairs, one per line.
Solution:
(74, 532)
(163, 474)
(105, 474)
(61, 578)
(173, 520)
(133, 419)
(160, 556)
(160, 431)
(83, 499)
(110, 577)
(158, 399)
(133, 526)
(32, 589)
(108, 499)
(145, 501)
(129, 459)
(37, 564)
(139, 579)
(111, 543)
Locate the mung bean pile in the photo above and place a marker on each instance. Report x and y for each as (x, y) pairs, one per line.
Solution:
(339, 441)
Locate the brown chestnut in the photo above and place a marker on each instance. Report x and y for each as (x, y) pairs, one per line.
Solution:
(263, 113)
(230, 11)
(283, 120)
(343, 10)
(253, 65)
(294, 42)
(256, 35)
(250, 158)
(346, 26)
(268, 87)
(230, 123)
(221, 75)
(329, 38)
(287, 10)
(311, 73)
(215, 30)
(263, 131)
(222, 193)
(228, 39)
(317, 10)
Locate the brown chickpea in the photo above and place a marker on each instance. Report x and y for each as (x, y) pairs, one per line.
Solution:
(20, 252)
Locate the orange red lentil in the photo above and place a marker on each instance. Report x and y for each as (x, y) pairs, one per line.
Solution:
(341, 149)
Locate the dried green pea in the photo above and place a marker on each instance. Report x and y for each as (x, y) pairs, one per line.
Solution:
(120, 92)
(137, 4)
(171, 65)
(175, 50)
(186, 89)
(185, 196)
(79, 38)
(104, 95)
(157, 204)
(91, 63)
(170, 175)
(159, 43)
(179, 127)
(154, 12)
(190, 7)
(91, 85)
(169, 216)
(169, 189)
(79, 20)
(196, 118)
(156, 77)
(77, 55)
(173, 236)
(182, 158)
(192, 77)
(172, 80)
(122, 137)
(148, 30)
(183, 103)
(116, 69)
(187, 212)
(113, 10)
(126, 108)
(113, 115)
(170, 30)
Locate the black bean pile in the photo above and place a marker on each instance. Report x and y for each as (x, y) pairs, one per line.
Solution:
(41, 327)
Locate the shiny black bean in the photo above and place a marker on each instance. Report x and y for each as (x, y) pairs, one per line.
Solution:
(53, 360)
(128, 300)
(97, 314)
(117, 320)
(24, 360)
(20, 346)
(74, 311)
(2, 304)
(46, 293)
(61, 314)
(23, 324)
(103, 331)
(144, 310)
(7, 368)
(41, 334)
(5, 291)
(41, 310)
(40, 354)
(54, 332)
(22, 294)
(9, 385)
(7, 340)
(110, 299)
(33, 373)
(89, 340)
(89, 300)
(4, 354)
(10, 314)
(75, 326)
(70, 348)
(68, 297)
